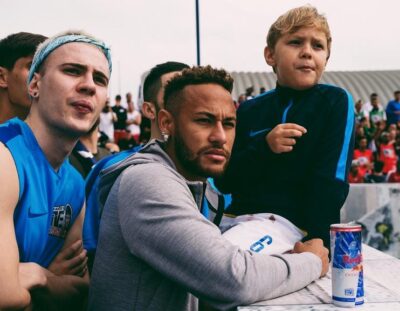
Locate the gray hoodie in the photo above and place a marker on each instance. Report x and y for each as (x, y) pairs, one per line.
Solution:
(157, 252)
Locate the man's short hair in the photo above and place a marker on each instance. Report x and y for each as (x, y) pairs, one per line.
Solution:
(118, 97)
(152, 82)
(195, 76)
(293, 20)
(18, 45)
(373, 95)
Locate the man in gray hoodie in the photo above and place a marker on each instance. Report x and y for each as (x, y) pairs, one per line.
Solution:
(156, 251)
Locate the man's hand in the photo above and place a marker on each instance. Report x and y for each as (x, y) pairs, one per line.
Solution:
(282, 137)
(316, 247)
(70, 261)
(32, 275)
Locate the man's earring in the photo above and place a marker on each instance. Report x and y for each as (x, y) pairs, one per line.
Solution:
(35, 94)
(165, 136)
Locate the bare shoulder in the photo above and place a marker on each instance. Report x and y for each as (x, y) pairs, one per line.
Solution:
(9, 189)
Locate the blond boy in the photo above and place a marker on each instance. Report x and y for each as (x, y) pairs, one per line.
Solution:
(294, 144)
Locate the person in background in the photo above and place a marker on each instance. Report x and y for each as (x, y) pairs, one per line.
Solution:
(127, 142)
(294, 144)
(355, 177)
(87, 151)
(133, 120)
(393, 109)
(42, 206)
(368, 132)
(129, 100)
(394, 176)
(377, 175)
(393, 131)
(364, 157)
(120, 123)
(107, 119)
(241, 99)
(359, 112)
(249, 92)
(16, 53)
(367, 107)
(155, 247)
(387, 153)
(377, 114)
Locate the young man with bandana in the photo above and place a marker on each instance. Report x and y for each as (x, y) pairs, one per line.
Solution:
(42, 206)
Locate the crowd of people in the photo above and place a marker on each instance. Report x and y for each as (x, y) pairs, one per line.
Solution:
(120, 124)
(106, 207)
(377, 148)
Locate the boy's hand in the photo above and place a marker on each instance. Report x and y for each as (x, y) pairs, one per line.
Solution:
(316, 247)
(282, 137)
(70, 261)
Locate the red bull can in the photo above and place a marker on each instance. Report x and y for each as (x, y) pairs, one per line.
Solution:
(347, 269)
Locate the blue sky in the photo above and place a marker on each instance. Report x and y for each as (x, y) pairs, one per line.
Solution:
(143, 33)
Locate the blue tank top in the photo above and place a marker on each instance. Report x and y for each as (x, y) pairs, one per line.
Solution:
(49, 201)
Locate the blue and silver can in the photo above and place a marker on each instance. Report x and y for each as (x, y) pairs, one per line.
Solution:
(347, 269)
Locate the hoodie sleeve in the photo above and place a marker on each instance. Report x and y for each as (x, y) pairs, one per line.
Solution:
(165, 229)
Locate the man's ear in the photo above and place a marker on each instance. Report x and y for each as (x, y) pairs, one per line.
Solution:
(34, 86)
(269, 56)
(3, 77)
(149, 110)
(166, 122)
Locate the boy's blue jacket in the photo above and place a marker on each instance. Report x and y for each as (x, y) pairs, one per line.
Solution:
(308, 185)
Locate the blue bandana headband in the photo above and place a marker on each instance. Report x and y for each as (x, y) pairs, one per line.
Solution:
(53, 44)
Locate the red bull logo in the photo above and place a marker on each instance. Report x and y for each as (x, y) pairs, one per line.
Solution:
(352, 260)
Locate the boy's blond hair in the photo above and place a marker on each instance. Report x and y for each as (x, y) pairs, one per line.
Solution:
(293, 20)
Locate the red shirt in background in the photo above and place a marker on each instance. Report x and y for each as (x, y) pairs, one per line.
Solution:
(387, 155)
(357, 179)
(365, 159)
(394, 177)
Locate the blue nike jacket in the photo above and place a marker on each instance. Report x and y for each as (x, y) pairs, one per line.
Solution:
(308, 185)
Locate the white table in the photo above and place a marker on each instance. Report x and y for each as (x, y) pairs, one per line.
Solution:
(381, 288)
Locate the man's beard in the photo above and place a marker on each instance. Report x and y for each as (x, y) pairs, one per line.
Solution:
(191, 162)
